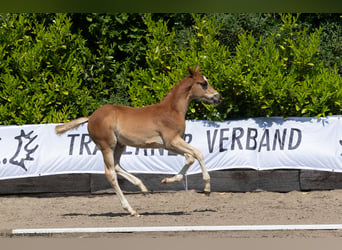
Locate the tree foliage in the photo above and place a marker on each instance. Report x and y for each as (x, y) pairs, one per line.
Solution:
(56, 67)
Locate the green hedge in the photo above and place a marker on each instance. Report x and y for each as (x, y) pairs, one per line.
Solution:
(56, 67)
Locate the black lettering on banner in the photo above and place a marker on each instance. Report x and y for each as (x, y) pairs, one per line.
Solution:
(211, 143)
(127, 152)
(144, 150)
(238, 134)
(152, 151)
(95, 150)
(161, 151)
(265, 140)
(169, 153)
(281, 141)
(222, 139)
(236, 138)
(188, 138)
(294, 131)
(138, 149)
(147, 150)
(84, 144)
(252, 134)
(72, 142)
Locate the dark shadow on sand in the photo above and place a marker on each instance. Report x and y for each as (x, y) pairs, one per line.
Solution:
(113, 215)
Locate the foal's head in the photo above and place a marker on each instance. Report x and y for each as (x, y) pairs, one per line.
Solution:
(201, 89)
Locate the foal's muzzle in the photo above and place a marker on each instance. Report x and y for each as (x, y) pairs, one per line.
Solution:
(216, 98)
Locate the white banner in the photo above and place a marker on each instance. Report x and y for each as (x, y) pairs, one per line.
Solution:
(257, 143)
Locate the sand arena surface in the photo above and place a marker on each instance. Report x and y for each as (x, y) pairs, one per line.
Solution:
(183, 208)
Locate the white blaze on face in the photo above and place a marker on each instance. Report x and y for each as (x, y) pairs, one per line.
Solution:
(208, 95)
(212, 96)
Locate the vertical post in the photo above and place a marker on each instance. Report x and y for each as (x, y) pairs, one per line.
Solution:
(186, 182)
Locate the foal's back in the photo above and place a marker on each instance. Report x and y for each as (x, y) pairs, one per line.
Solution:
(138, 127)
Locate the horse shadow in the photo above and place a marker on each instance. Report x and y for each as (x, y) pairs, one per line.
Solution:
(115, 215)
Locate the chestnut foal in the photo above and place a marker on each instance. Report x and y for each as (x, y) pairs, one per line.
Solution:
(160, 125)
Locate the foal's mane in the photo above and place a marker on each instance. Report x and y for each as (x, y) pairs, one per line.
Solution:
(182, 84)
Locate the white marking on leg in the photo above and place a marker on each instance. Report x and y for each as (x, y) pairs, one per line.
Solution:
(181, 147)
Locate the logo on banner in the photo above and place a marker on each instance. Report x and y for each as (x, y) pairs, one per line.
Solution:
(25, 149)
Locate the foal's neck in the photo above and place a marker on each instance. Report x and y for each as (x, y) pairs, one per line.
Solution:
(179, 97)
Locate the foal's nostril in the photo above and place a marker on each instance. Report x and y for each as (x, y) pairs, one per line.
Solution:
(217, 98)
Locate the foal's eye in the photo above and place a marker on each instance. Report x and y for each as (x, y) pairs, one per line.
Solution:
(204, 85)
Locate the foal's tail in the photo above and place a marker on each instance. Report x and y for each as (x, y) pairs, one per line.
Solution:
(62, 128)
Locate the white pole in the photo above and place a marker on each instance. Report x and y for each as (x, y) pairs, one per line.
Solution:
(186, 182)
(178, 229)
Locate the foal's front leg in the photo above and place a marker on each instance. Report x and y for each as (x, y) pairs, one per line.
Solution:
(178, 177)
(179, 146)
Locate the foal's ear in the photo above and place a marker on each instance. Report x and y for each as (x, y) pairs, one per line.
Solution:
(192, 72)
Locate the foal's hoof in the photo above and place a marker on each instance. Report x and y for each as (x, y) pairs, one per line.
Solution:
(135, 214)
(207, 193)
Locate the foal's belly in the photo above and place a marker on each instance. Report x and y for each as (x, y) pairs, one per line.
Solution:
(141, 141)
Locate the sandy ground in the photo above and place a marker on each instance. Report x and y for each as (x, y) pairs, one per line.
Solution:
(176, 209)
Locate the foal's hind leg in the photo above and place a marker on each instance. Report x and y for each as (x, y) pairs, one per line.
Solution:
(110, 172)
(179, 146)
(131, 178)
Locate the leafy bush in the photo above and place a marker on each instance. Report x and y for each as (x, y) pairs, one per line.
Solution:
(48, 74)
(56, 67)
(41, 68)
(278, 75)
(282, 75)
